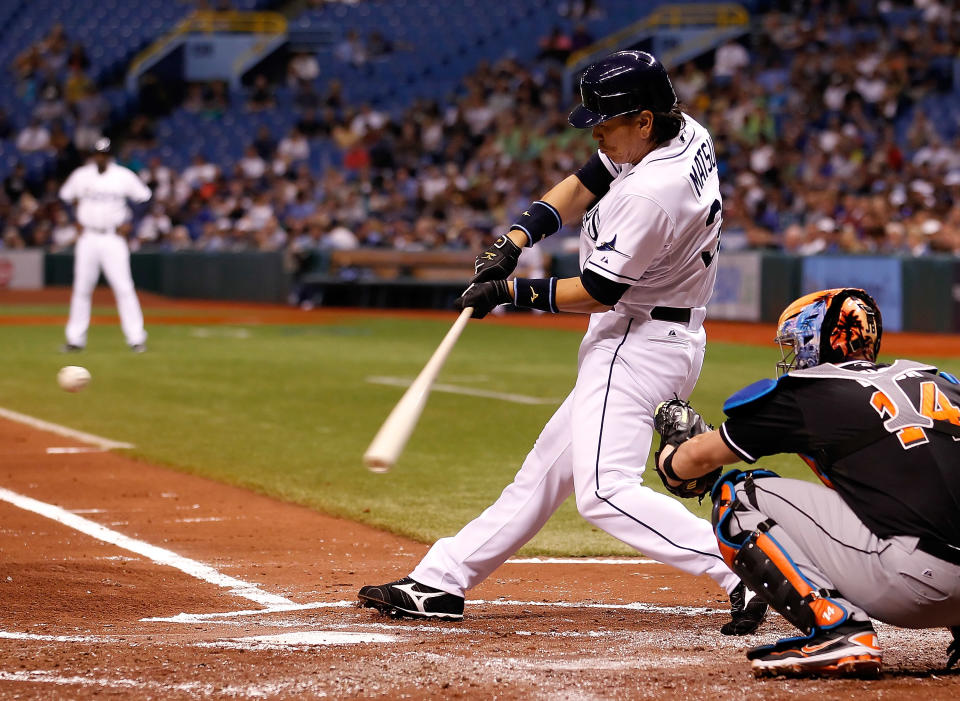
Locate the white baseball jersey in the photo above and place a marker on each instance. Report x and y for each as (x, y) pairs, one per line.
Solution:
(102, 207)
(657, 228)
(102, 197)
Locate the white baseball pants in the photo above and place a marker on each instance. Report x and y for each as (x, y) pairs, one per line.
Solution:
(109, 252)
(596, 446)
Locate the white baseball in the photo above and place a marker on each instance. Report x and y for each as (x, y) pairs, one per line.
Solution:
(73, 378)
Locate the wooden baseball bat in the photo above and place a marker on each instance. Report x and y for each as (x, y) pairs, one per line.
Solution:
(393, 435)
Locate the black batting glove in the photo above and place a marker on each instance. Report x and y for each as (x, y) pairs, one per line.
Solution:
(483, 296)
(497, 262)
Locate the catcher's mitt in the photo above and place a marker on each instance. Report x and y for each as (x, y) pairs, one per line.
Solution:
(677, 422)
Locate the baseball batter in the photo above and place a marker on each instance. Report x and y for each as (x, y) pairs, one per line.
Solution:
(99, 192)
(881, 539)
(651, 210)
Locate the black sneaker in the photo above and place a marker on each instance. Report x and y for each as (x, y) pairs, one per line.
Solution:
(747, 612)
(847, 650)
(406, 597)
(70, 348)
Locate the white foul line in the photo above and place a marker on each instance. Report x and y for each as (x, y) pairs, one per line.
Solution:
(456, 389)
(73, 450)
(100, 442)
(161, 556)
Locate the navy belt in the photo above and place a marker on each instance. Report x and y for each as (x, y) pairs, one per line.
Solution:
(679, 314)
(943, 551)
(98, 230)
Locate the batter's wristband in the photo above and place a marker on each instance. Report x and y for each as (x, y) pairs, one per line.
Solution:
(538, 221)
(667, 467)
(536, 293)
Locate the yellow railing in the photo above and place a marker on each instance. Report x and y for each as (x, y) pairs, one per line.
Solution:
(717, 15)
(208, 22)
(236, 21)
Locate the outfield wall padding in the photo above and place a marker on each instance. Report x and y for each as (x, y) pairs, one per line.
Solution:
(915, 294)
(250, 276)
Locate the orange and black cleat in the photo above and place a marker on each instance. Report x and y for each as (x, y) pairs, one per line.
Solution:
(850, 649)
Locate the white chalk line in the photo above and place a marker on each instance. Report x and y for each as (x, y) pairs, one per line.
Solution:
(204, 332)
(305, 638)
(283, 608)
(286, 687)
(469, 391)
(9, 635)
(161, 556)
(73, 450)
(579, 561)
(82, 436)
(632, 606)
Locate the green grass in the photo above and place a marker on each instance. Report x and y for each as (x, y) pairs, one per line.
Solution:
(287, 411)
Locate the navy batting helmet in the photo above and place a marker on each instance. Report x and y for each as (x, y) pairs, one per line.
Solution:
(627, 81)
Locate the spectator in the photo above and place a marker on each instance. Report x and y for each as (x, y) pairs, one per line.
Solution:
(15, 184)
(313, 126)
(140, 133)
(367, 120)
(199, 173)
(731, 58)
(35, 137)
(64, 233)
(303, 68)
(159, 179)
(689, 83)
(378, 46)
(340, 238)
(555, 46)
(216, 100)
(51, 105)
(293, 147)
(306, 97)
(67, 157)
(261, 95)
(264, 143)
(154, 226)
(77, 86)
(333, 99)
(351, 49)
(252, 166)
(154, 100)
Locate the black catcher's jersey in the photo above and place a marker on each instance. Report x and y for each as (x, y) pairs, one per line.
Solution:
(864, 438)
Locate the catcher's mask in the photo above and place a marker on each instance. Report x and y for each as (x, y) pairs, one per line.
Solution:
(828, 327)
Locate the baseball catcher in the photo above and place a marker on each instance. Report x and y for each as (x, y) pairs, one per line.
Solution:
(880, 538)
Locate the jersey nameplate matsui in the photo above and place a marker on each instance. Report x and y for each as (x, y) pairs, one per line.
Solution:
(704, 161)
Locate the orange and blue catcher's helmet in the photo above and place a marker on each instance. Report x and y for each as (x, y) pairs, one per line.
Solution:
(828, 326)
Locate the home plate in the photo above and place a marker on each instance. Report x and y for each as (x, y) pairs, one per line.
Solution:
(303, 638)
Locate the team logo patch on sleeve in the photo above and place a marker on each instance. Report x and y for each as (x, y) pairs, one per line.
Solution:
(611, 246)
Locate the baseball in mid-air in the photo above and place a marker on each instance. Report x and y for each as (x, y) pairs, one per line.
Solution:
(73, 378)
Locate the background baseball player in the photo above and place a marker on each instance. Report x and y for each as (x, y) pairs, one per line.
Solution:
(99, 192)
(647, 247)
(882, 538)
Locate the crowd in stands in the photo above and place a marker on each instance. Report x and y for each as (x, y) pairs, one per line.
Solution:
(69, 113)
(821, 140)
